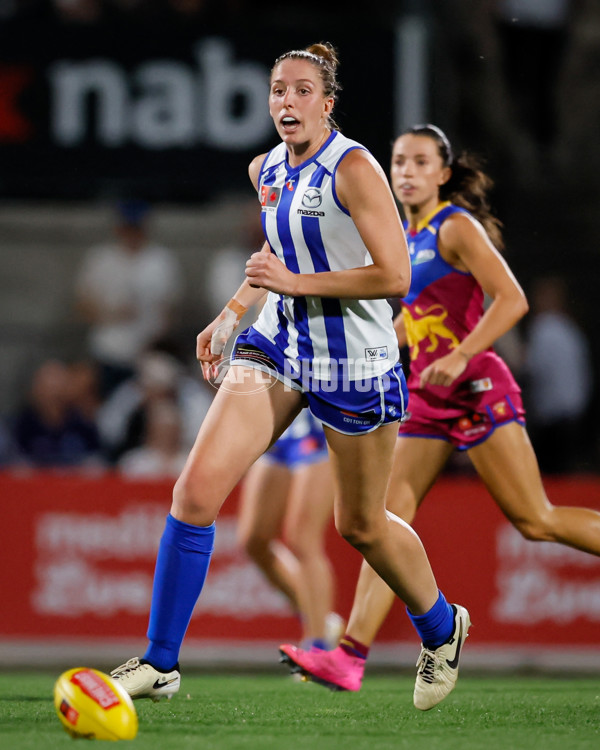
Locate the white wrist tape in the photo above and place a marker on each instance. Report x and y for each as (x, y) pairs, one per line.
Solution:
(223, 331)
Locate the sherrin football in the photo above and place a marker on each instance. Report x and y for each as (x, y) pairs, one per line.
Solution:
(92, 705)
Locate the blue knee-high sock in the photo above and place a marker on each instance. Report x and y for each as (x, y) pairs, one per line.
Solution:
(181, 567)
(436, 626)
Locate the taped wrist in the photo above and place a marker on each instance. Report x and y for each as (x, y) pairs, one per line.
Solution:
(237, 308)
(222, 332)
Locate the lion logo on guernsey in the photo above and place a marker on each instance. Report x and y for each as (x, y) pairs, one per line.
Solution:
(428, 326)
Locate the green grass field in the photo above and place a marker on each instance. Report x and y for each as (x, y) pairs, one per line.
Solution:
(273, 712)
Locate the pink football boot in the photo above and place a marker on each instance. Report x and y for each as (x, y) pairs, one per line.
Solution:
(335, 669)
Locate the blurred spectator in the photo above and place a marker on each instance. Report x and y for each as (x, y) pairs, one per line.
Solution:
(558, 369)
(128, 290)
(49, 431)
(160, 377)
(84, 388)
(162, 453)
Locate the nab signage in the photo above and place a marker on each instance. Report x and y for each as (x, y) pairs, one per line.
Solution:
(162, 103)
(173, 113)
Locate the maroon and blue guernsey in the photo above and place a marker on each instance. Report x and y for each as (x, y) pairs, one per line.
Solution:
(441, 309)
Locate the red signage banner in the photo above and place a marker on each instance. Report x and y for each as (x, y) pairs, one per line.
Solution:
(79, 555)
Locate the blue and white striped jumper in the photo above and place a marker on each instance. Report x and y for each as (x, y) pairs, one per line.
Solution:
(310, 231)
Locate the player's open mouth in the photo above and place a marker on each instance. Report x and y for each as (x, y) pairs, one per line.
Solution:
(289, 123)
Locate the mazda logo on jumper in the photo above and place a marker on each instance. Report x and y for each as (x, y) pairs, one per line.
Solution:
(312, 198)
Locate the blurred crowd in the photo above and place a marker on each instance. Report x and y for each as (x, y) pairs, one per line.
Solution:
(144, 428)
(130, 402)
(133, 398)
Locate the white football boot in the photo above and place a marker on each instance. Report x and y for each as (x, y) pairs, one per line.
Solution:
(335, 627)
(142, 680)
(437, 670)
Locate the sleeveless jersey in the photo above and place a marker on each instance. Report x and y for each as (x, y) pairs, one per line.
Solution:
(441, 309)
(309, 230)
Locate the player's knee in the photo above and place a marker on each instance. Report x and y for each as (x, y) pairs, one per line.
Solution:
(359, 532)
(538, 529)
(187, 499)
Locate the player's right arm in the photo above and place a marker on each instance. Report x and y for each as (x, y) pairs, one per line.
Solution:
(254, 169)
(211, 342)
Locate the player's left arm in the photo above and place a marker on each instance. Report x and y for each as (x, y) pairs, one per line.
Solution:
(464, 244)
(363, 189)
(400, 329)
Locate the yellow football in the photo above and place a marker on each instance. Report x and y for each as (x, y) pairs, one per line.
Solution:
(92, 705)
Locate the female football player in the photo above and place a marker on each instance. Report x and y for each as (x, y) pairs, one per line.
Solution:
(335, 250)
(462, 395)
